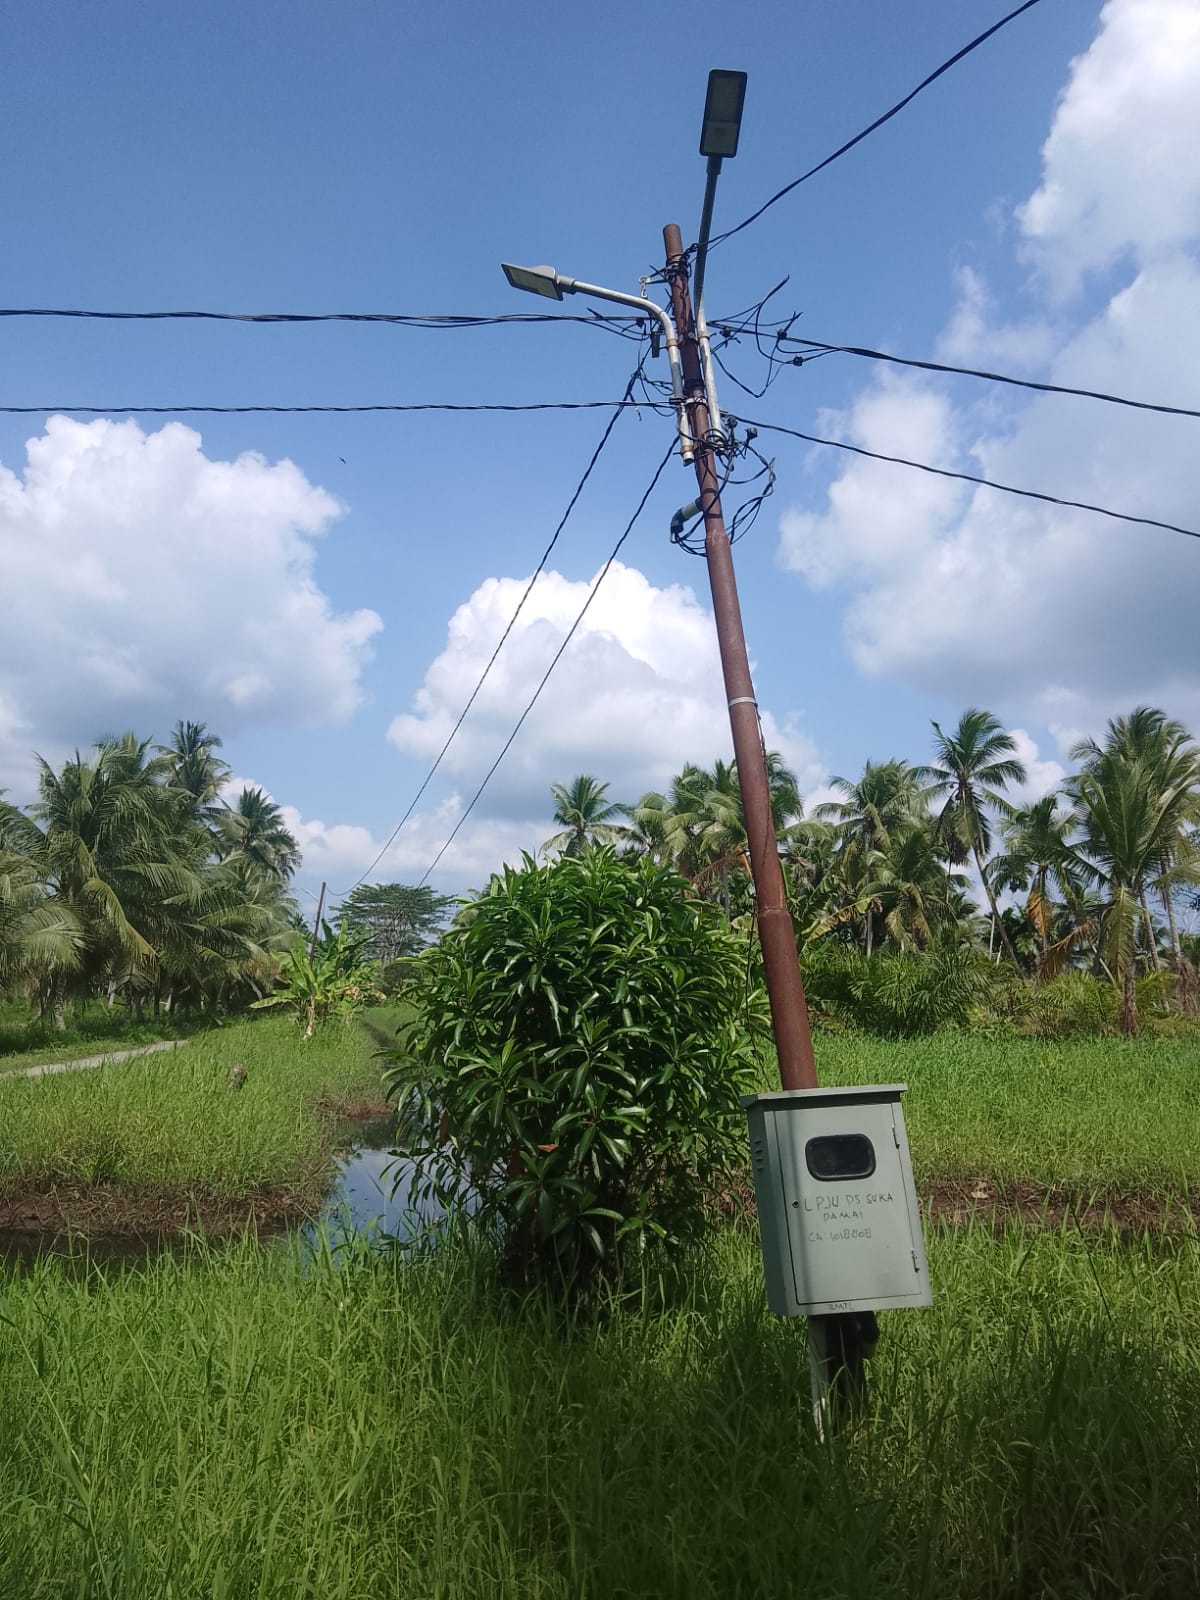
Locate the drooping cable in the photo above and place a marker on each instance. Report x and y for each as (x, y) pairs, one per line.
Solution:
(991, 377)
(591, 595)
(970, 477)
(483, 676)
(887, 116)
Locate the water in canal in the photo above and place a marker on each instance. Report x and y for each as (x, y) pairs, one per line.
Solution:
(360, 1204)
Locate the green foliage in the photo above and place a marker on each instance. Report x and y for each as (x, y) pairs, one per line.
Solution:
(577, 1062)
(334, 981)
(892, 993)
(124, 876)
(1071, 1005)
(395, 919)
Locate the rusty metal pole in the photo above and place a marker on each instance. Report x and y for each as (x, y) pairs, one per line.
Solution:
(789, 1013)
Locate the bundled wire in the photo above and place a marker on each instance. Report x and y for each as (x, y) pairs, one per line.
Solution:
(691, 537)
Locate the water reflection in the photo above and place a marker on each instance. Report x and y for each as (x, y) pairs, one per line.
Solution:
(370, 1196)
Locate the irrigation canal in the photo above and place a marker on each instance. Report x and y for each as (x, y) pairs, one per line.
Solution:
(360, 1202)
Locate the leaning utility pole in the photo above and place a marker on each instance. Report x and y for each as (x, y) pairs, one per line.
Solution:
(781, 965)
(316, 933)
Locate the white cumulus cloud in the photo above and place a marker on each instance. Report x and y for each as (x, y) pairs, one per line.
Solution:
(141, 580)
(1051, 615)
(637, 693)
(1120, 176)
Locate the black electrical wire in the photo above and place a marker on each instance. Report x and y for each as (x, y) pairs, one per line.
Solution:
(537, 572)
(591, 595)
(968, 477)
(991, 377)
(431, 322)
(878, 123)
(224, 411)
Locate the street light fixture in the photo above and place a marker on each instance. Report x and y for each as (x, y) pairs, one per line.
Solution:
(722, 114)
(536, 280)
(545, 281)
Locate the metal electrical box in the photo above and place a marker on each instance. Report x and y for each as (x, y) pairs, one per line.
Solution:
(837, 1206)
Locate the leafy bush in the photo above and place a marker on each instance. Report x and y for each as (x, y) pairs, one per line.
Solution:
(891, 993)
(1077, 1004)
(575, 1068)
(334, 981)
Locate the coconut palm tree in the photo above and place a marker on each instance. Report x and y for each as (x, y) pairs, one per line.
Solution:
(918, 898)
(194, 767)
(586, 818)
(875, 809)
(1036, 858)
(254, 837)
(105, 837)
(972, 767)
(700, 827)
(1171, 760)
(672, 824)
(1127, 827)
(38, 935)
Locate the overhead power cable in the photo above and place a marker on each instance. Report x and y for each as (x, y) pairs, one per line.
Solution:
(991, 377)
(426, 405)
(462, 716)
(432, 322)
(878, 122)
(591, 595)
(969, 477)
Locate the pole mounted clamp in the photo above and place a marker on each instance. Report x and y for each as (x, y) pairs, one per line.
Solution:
(742, 700)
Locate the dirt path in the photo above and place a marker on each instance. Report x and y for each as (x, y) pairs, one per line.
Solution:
(82, 1063)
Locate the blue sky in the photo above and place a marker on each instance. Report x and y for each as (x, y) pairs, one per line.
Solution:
(292, 580)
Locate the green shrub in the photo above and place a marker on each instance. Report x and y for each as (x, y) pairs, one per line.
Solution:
(893, 994)
(575, 1068)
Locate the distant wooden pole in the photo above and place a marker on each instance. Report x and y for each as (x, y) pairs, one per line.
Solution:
(316, 933)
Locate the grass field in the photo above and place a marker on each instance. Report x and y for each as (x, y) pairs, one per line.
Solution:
(250, 1426)
(1104, 1114)
(251, 1422)
(171, 1120)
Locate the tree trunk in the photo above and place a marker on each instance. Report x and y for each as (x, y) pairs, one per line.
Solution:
(1000, 928)
(1169, 908)
(870, 929)
(128, 1006)
(1148, 926)
(1129, 1010)
(60, 1020)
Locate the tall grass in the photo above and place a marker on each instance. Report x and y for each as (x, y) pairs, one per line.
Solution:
(252, 1426)
(172, 1121)
(1111, 1115)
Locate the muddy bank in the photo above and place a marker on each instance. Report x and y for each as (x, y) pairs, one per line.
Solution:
(960, 1202)
(147, 1213)
(123, 1219)
(956, 1202)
